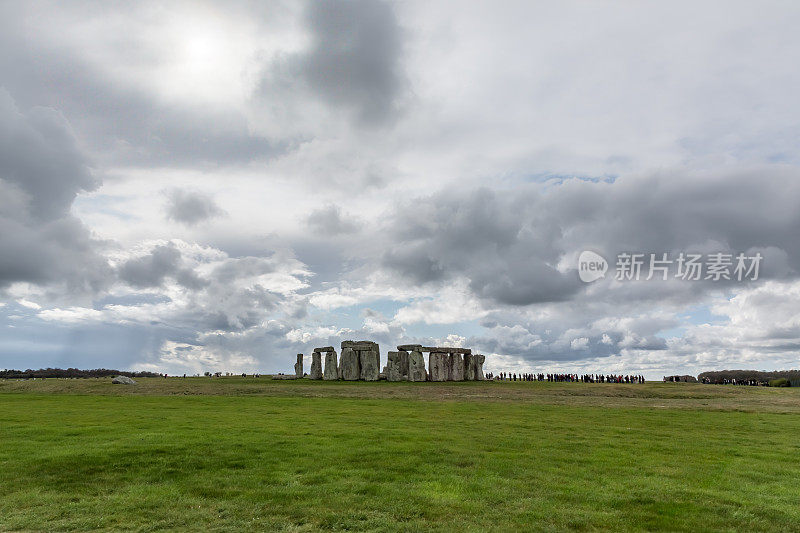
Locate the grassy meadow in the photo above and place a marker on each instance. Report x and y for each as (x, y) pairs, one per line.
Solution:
(257, 454)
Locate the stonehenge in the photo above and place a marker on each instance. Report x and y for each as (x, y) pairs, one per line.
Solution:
(478, 362)
(409, 347)
(360, 361)
(369, 366)
(451, 364)
(298, 366)
(469, 367)
(349, 366)
(331, 370)
(316, 366)
(331, 366)
(366, 359)
(393, 370)
(416, 366)
(456, 367)
(437, 366)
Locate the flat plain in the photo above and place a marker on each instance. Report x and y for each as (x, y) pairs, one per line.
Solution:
(250, 453)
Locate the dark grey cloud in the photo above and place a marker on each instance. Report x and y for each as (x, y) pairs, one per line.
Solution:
(41, 172)
(489, 237)
(354, 58)
(516, 248)
(353, 62)
(154, 268)
(509, 244)
(330, 220)
(234, 298)
(191, 207)
(232, 295)
(150, 270)
(39, 154)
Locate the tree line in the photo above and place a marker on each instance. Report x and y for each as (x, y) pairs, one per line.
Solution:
(72, 373)
(723, 376)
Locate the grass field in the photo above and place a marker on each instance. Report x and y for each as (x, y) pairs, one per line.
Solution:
(257, 454)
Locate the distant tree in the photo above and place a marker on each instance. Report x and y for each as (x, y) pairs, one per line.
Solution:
(780, 382)
(727, 376)
(72, 373)
(681, 379)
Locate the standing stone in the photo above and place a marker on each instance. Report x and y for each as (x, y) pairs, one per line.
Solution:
(316, 366)
(393, 372)
(370, 365)
(369, 356)
(456, 367)
(376, 355)
(298, 366)
(350, 367)
(416, 366)
(403, 363)
(447, 361)
(331, 368)
(437, 366)
(469, 367)
(479, 359)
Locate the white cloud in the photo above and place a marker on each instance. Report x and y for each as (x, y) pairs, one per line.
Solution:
(71, 315)
(581, 343)
(304, 336)
(449, 305)
(27, 303)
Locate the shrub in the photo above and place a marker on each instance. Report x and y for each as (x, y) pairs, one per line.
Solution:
(781, 382)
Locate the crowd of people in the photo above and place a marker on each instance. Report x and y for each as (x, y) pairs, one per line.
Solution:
(582, 378)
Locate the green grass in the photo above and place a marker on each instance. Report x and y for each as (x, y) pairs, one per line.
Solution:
(231, 454)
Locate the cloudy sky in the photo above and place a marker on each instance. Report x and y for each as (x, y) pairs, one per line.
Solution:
(219, 186)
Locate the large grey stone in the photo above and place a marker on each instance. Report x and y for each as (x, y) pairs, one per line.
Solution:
(350, 365)
(370, 364)
(437, 366)
(331, 368)
(469, 367)
(316, 366)
(445, 349)
(298, 366)
(324, 349)
(376, 354)
(123, 380)
(447, 360)
(403, 363)
(479, 359)
(359, 345)
(393, 363)
(409, 347)
(416, 366)
(456, 367)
